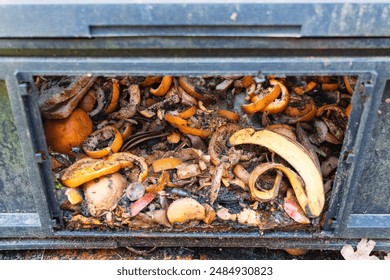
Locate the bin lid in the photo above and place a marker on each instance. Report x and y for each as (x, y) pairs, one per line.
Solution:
(193, 18)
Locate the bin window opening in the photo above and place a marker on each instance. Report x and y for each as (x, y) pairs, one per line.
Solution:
(207, 153)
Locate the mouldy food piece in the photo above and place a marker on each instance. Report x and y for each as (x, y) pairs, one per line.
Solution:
(225, 215)
(210, 213)
(248, 217)
(185, 209)
(59, 96)
(104, 193)
(160, 217)
(187, 170)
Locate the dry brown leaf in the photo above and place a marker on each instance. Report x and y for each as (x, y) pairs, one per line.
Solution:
(363, 251)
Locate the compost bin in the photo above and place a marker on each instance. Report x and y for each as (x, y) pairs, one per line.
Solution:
(234, 124)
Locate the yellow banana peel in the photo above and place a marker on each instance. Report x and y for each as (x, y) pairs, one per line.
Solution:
(264, 195)
(310, 193)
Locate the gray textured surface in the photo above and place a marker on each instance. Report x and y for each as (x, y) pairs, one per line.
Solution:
(374, 191)
(14, 186)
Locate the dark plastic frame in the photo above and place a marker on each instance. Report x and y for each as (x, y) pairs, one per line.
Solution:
(123, 51)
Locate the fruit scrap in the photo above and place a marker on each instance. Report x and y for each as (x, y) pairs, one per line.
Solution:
(163, 87)
(150, 80)
(74, 196)
(231, 116)
(305, 89)
(262, 101)
(114, 98)
(299, 114)
(109, 137)
(185, 209)
(126, 159)
(173, 120)
(279, 104)
(162, 182)
(60, 96)
(189, 88)
(350, 84)
(87, 169)
(141, 203)
(216, 183)
(130, 107)
(292, 208)
(64, 134)
(310, 194)
(166, 164)
(267, 195)
(103, 194)
(186, 114)
(202, 133)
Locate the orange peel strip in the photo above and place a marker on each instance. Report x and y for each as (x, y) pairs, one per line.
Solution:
(202, 133)
(113, 147)
(165, 164)
(150, 80)
(114, 99)
(348, 110)
(186, 114)
(329, 86)
(230, 115)
(175, 120)
(302, 90)
(188, 88)
(279, 104)
(163, 87)
(246, 81)
(259, 103)
(348, 85)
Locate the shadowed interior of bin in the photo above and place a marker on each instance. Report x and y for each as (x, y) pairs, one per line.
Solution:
(208, 153)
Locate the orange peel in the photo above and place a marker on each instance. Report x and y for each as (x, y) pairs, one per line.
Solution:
(175, 120)
(87, 169)
(91, 142)
(279, 104)
(114, 98)
(186, 114)
(150, 80)
(230, 115)
(163, 164)
(163, 87)
(188, 88)
(202, 133)
(262, 101)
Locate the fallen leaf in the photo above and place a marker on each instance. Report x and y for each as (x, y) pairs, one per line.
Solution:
(363, 250)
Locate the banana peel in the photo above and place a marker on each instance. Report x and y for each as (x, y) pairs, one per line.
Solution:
(264, 195)
(310, 194)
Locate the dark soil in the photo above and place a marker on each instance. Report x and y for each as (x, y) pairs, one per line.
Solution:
(181, 253)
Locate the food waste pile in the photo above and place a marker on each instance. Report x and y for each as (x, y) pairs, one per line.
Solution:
(210, 153)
